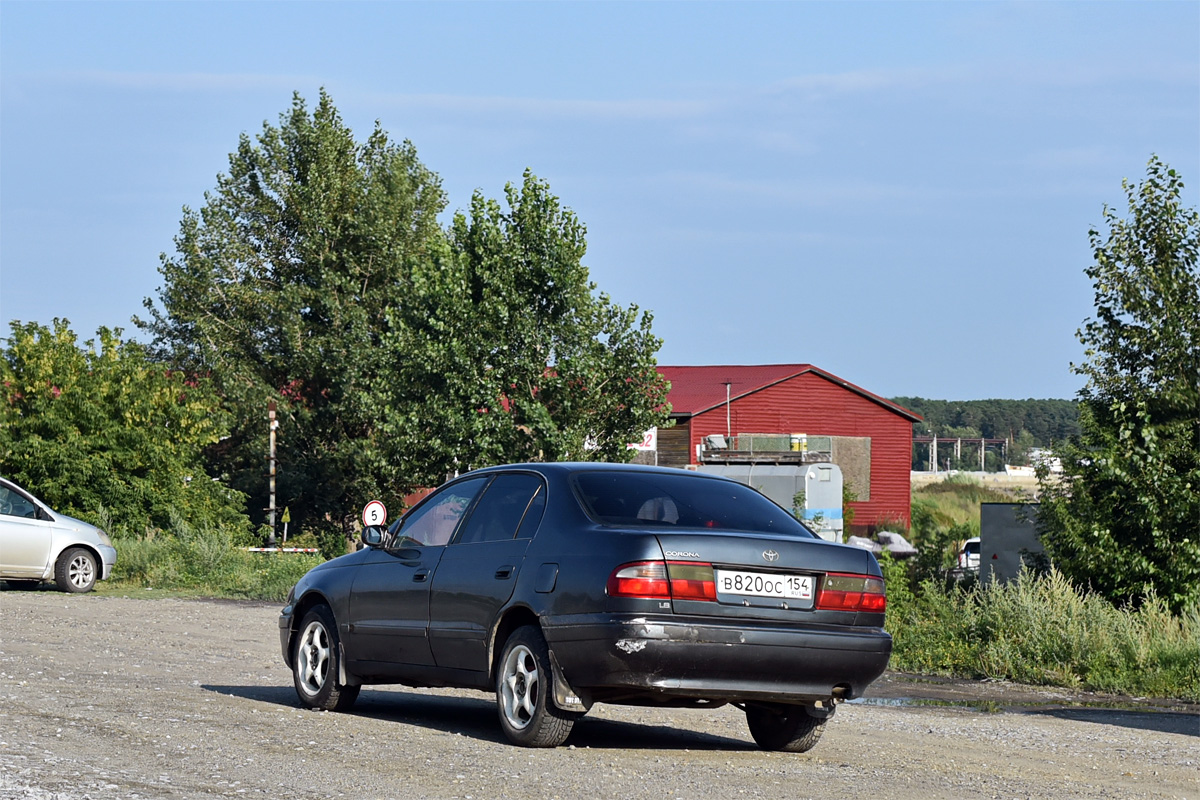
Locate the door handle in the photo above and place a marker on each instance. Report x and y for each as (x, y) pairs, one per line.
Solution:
(504, 573)
(420, 575)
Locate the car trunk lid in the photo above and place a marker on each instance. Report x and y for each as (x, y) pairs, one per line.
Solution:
(759, 576)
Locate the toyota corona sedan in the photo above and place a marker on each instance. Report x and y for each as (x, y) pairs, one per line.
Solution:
(558, 586)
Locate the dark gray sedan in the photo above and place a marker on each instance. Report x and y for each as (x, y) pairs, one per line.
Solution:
(558, 586)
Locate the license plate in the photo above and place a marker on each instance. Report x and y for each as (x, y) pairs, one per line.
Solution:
(764, 584)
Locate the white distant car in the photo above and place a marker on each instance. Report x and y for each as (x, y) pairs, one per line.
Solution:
(968, 556)
(38, 544)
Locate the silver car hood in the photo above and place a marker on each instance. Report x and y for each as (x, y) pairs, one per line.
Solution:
(74, 524)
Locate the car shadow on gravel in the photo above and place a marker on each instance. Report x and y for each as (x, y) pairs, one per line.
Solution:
(603, 734)
(989, 696)
(476, 717)
(277, 695)
(1157, 721)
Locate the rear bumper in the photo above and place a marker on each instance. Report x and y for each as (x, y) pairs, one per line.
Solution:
(695, 658)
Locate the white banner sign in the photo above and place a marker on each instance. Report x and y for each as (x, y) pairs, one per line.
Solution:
(649, 441)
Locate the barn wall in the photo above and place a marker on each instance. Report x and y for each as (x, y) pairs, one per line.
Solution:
(813, 405)
(674, 449)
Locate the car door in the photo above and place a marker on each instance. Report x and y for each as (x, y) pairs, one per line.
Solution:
(478, 571)
(25, 539)
(389, 600)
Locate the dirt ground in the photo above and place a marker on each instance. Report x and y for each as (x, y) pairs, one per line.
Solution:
(124, 697)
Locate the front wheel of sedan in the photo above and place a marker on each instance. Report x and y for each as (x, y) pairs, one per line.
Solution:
(525, 693)
(316, 663)
(75, 570)
(784, 728)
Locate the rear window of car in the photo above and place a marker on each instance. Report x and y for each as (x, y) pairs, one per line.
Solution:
(651, 499)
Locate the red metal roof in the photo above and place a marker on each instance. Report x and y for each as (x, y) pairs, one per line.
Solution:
(698, 389)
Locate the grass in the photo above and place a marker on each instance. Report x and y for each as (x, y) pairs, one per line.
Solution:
(954, 503)
(1042, 630)
(1038, 629)
(207, 562)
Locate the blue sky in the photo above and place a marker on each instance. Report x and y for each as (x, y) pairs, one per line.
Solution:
(899, 193)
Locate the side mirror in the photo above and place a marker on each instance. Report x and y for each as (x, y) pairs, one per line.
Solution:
(372, 535)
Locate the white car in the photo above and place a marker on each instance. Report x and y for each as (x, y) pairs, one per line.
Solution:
(968, 557)
(38, 544)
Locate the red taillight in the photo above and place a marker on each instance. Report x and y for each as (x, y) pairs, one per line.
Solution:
(647, 579)
(841, 592)
(680, 580)
(692, 581)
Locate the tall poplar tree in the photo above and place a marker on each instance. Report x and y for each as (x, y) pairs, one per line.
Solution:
(1125, 517)
(279, 290)
(317, 275)
(506, 326)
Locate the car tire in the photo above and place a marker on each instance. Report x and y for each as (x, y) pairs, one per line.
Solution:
(75, 570)
(525, 693)
(316, 663)
(784, 728)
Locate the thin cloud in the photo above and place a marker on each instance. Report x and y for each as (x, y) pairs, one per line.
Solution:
(1070, 158)
(742, 132)
(549, 108)
(173, 81)
(1074, 75)
(475, 105)
(1046, 74)
(861, 81)
(710, 237)
(810, 194)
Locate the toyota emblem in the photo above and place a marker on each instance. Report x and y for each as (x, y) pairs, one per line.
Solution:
(770, 555)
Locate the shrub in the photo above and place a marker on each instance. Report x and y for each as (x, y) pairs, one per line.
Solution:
(208, 560)
(1042, 630)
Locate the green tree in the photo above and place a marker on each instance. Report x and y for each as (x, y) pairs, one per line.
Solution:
(317, 275)
(1124, 518)
(1022, 444)
(279, 289)
(507, 353)
(106, 434)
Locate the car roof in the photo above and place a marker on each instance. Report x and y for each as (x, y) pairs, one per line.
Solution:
(561, 468)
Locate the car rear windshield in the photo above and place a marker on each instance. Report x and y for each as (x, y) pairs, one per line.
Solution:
(686, 500)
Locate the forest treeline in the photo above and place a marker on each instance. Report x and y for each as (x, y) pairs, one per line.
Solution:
(1026, 424)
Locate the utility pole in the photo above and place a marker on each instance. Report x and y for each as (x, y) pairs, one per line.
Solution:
(728, 424)
(271, 506)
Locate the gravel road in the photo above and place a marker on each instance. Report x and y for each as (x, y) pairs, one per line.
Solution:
(127, 697)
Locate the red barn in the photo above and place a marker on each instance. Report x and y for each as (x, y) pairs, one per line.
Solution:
(790, 414)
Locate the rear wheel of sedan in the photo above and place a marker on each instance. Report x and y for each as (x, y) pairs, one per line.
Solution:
(75, 570)
(525, 693)
(784, 728)
(316, 663)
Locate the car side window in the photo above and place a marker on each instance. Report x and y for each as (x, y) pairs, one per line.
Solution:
(533, 517)
(14, 504)
(500, 511)
(433, 522)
